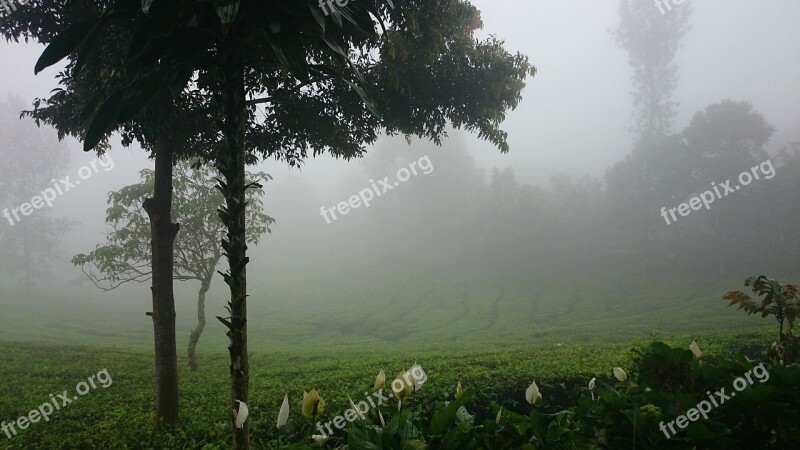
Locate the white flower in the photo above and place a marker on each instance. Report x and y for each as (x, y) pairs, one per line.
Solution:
(241, 415)
(319, 439)
(532, 394)
(283, 415)
(380, 380)
(591, 386)
(383, 423)
(355, 409)
(499, 413)
(313, 404)
(620, 374)
(695, 349)
(463, 415)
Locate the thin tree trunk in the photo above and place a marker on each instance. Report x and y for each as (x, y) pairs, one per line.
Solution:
(231, 164)
(159, 209)
(201, 319)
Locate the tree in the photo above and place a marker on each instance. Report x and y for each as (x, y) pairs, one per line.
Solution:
(648, 178)
(126, 255)
(724, 140)
(651, 40)
(778, 216)
(27, 235)
(168, 126)
(778, 300)
(311, 72)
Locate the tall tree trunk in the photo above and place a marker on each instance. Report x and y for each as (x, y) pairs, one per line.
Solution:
(201, 318)
(159, 209)
(231, 164)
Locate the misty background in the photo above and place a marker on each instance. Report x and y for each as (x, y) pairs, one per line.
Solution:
(532, 239)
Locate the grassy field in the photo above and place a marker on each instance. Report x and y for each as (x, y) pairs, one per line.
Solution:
(122, 413)
(467, 312)
(335, 337)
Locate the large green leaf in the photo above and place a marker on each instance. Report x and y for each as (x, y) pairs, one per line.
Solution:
(71, 39)
(104, 121)
(65, 44)
(292, 56)
(140, 95)
(443, 418)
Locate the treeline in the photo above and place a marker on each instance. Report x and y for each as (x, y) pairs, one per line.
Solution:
(461, 219)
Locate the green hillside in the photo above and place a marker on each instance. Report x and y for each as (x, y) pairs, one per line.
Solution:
(426, 313)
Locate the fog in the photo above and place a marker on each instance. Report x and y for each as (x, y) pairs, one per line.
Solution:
(538, 216)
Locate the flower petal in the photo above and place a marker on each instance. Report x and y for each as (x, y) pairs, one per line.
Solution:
(283, 415)
(380, 380)
(695, 349)
(313, 404)
(355, 409)
(532, 394)
(241, 415)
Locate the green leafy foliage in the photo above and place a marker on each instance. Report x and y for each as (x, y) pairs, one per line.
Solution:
(125, 257)
(780, 301)
(664, 383)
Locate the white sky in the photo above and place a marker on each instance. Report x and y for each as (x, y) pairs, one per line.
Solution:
(575, 113)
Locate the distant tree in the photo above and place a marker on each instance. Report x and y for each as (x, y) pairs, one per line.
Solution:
(126, 255)
(779, 216)
(443, 194)
(635, 186)
(650, 177)
(724, 140)
(651, 40)
(579, 215)
(30, 162)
